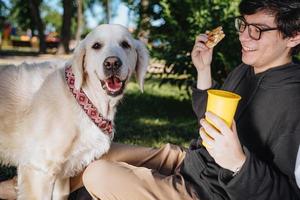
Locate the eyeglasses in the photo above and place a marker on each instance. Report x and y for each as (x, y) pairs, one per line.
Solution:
(253, 30)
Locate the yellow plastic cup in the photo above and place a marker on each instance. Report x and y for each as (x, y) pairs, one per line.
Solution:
(223, 104)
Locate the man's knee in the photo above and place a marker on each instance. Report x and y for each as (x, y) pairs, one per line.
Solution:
(96, 173)
(105, 178)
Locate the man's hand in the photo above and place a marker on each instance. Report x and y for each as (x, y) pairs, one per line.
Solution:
(202, 57)
(222, 143)
(201, 54)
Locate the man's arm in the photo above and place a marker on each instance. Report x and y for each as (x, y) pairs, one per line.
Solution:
(202, 57)
(260, 180)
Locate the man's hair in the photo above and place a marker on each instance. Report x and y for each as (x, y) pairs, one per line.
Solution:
(286, 13)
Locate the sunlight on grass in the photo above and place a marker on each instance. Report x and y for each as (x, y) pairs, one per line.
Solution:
(156, 122)
(161, 114)
(152, 87)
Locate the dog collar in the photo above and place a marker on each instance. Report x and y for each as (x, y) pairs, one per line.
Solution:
(86, 104)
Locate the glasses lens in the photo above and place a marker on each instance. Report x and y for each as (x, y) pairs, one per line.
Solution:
(254, 32)
(240, 25)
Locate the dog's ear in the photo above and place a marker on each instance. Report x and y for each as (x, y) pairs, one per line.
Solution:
(78, 64)
(142, 62)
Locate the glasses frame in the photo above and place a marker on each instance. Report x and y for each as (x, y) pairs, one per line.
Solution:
(261, 30)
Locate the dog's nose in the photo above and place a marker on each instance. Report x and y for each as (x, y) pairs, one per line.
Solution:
(112, 63)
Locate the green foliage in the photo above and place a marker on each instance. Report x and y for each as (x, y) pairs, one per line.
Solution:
(3, 9)
(52, 18)
(297, 58)
(174, 26)
(20, 15)
(3, 13)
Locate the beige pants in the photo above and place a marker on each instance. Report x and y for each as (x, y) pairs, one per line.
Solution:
(138, 173)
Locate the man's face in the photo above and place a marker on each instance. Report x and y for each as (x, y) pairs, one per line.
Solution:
(270, 50)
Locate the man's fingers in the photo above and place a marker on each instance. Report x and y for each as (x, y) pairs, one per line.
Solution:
(209, 129)
(233, 126)
(201, 38)
(218, 122)
(207, 141)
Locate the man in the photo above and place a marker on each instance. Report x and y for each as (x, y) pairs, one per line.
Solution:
(268, 116)
(253, 159)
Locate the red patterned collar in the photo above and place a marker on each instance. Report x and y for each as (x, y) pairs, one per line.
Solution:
(86, 104)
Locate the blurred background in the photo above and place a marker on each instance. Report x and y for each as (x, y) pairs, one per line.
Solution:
(38, 30)
(168, 27)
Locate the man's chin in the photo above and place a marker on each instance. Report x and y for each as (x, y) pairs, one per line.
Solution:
(246, 60)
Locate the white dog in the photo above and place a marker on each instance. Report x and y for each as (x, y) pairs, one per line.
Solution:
(51, 126)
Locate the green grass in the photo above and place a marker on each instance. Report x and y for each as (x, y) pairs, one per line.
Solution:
(159, 115)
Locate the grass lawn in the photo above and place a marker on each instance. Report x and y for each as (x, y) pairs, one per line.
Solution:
(160, 115)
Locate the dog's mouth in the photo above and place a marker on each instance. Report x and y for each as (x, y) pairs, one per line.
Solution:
(113, 85)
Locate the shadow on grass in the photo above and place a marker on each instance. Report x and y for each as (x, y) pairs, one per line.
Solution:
(151, 120)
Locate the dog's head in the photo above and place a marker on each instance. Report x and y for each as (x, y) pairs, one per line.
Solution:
(108, 56)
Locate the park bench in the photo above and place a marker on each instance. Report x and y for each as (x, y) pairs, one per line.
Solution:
(20, 43)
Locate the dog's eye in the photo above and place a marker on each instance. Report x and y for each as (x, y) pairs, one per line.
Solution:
(97, 45)
(125, 45)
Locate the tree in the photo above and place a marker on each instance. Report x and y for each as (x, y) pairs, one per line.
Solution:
(3, 13)
(66, 29)
(19, 13)
(79, 20)
(65, 34)
(3, 9)
(51, 18)
(20, 10)
(34, 6)
(173, 26)
(107, 10)
(144, 24)
(142, 8)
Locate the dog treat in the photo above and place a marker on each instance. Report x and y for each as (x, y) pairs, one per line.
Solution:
(214, 36)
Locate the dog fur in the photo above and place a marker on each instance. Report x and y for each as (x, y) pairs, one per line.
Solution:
(43, 130)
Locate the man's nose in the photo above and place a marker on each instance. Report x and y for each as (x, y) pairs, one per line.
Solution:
(244, 35)
(112, 63)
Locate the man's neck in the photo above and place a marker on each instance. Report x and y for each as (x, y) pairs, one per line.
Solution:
(260, 69)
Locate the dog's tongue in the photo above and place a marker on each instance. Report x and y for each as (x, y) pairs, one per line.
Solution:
(113, 84)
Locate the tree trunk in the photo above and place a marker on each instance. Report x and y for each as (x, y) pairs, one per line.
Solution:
(34, 6)
(79, 21)
(144, 26)
(65, 35)
(107, 10)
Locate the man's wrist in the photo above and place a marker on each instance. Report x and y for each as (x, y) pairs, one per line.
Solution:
(204, 80)
(236, 171)
(238, 168)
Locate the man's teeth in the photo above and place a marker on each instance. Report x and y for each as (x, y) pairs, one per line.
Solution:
(248, 49)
